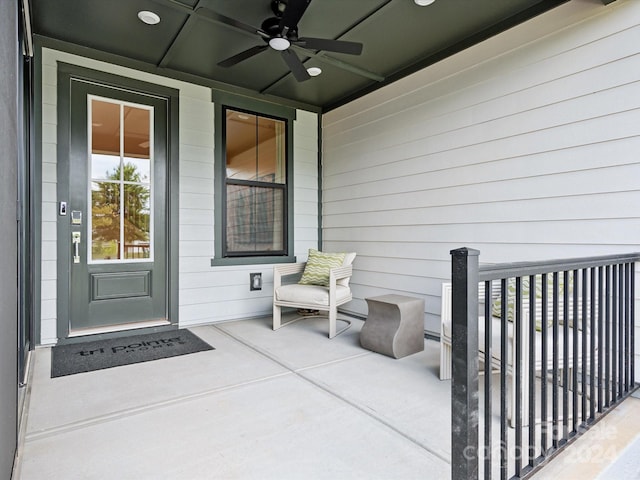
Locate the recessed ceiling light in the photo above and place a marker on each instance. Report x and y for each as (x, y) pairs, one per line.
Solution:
(314, 71)
(150, 18)
(423, 3)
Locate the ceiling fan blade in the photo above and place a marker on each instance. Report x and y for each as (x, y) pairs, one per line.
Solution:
(338, 46)
(295, 65)
(292, 14)
(231, 61)
(324, 57)
(215, 17)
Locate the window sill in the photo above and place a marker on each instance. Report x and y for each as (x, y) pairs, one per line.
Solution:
(221, 262)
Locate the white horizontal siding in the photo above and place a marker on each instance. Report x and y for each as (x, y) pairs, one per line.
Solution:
(524, 147)
(305, 181)
(48, 286)
(206, 294)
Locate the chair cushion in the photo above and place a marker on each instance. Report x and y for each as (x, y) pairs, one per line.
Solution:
(316, 271)
(309, 294)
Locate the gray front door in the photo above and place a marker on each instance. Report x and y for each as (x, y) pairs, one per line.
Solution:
(113, 226)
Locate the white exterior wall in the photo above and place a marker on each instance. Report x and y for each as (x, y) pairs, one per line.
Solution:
(524, 147)
(206, 294)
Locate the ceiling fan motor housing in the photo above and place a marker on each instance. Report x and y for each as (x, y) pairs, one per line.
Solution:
(278, 7)
(271, 26)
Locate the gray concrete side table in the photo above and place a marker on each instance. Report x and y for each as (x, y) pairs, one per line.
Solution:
(394, 326)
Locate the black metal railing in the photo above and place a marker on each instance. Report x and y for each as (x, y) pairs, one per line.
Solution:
(556, 341)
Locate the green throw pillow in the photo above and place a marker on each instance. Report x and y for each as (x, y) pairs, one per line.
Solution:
(316, 272)
(511, 300)
(511, 293)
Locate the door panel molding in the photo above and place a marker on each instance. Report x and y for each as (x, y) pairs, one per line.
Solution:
(107, 286)
(102, 285)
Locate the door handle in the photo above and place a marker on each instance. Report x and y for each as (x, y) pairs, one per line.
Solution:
(75, 239)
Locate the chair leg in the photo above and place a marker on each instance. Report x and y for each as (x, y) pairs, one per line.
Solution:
(511, 406)
(333, 323)
(333, 315)
(524, 400)
(276, 317)
(445, 361)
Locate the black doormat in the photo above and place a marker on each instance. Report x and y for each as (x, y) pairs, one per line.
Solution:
(100, 354)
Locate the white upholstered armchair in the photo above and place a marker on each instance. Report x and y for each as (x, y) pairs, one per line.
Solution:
(312, 297)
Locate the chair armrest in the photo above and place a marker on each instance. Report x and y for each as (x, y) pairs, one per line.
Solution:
(445, 314)
(336, 274)
(340, 272)
(285, 269)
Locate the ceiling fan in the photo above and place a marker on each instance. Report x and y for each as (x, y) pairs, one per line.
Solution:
(281, 32)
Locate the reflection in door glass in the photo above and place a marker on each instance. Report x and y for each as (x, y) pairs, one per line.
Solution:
(136, 221)
(105, 128)
(137, 141)
(105, 139)
(105, 220)
(104, 167)
(120, 163)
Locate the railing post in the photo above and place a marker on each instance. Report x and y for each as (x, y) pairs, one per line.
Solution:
(464, 372)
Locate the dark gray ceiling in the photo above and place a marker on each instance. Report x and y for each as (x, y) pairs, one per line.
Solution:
(399, 38)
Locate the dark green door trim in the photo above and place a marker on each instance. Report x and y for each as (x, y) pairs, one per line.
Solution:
(66, 74)
(36, 196)
(221, 100)
(25, 223)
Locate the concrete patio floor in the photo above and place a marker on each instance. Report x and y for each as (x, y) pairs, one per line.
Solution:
(289, 404)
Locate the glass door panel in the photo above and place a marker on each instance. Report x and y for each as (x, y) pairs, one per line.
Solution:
(137, 222)
(121, 164)
(105, 220)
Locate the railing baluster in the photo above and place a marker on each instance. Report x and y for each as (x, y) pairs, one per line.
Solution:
(628, 327)
(488, 355)
(576, 357)
(518, 373)
(621, 341)
(632, 316)
(607, 338)
(614, 334)
(554, 373)
(503, 381)
(544, 362)
(592, 346)
(600, 336)
(565, 355)
(585, 334)
(532, 369)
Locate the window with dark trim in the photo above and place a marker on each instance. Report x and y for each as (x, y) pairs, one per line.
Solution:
(253, 213)
(255, 178)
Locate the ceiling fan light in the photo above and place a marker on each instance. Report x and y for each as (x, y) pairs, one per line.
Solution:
(314, 71)
(423, 3)
(279, 43)
(150, 18)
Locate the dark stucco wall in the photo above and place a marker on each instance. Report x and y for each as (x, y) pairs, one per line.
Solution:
(8, 234)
